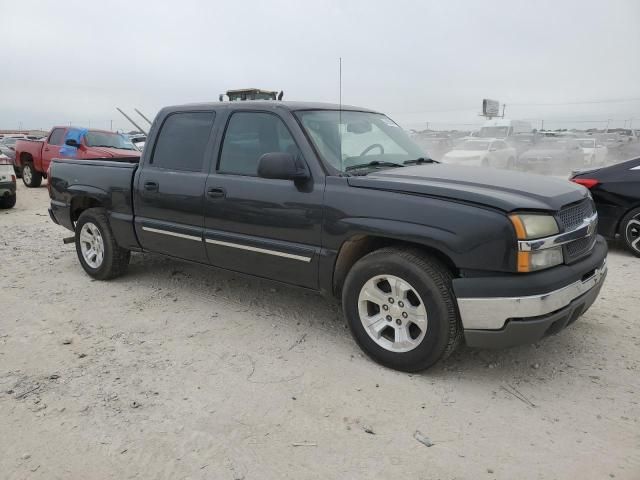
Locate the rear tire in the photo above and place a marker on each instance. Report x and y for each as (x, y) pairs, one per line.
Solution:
(30, 177)
(8, 202)
(99, 254)
(388, 288)
(630, 231)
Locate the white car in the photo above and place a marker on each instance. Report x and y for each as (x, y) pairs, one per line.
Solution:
(594, 153)
(7, 183)
(483, 152)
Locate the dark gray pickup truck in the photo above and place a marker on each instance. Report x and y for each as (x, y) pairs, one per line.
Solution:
(339, 200)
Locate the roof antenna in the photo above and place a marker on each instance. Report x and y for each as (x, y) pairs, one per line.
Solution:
(340, 109)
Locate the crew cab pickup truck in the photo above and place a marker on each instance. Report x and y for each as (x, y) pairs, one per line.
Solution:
(341, 201)
(33, 157)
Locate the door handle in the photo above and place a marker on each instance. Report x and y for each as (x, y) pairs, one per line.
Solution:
(151, 186)
(216, 192)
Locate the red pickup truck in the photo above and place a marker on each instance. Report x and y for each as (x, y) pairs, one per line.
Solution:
(34, 156)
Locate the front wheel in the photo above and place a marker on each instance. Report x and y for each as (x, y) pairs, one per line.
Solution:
(99, 254)
(30, 177)
(630, 231)
(400, 307)
(8, 201)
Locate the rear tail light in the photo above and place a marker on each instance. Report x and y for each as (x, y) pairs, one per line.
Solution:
(586, 182)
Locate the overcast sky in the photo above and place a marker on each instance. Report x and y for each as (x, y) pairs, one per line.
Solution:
(419, 61)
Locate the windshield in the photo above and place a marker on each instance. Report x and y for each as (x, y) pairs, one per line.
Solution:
(474, 145)
(587, 143)
(346, 139)
(494, 132)
(106, 139)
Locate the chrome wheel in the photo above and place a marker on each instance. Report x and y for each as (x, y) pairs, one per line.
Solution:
(27, 174)
(91, 245)
(392, 313)
(632, 233)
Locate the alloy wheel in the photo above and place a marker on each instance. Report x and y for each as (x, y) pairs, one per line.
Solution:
(392, 313)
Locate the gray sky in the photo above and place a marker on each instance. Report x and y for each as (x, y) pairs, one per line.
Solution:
(418, 61)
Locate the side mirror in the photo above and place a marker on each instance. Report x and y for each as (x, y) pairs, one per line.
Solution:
(282, 166)
(72, 143)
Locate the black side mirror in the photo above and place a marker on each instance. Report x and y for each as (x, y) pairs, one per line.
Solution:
(282, 166)
(72, 143)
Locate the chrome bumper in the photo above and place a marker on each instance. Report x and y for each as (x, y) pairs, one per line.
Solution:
(492, 313)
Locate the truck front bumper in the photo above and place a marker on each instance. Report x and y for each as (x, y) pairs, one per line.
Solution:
(531, 306)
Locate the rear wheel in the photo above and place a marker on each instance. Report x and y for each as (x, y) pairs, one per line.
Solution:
(630, 231)
(30, 176)
(8, 202)
(401, 310)
(99, 254)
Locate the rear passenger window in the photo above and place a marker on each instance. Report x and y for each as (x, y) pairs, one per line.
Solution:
(57, 136)
(250, 135)
(182, 141)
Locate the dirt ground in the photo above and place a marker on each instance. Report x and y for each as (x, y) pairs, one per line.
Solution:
(178, 371)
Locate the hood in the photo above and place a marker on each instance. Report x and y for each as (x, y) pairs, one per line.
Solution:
(462, 154)
(114, 152)
(501, 189)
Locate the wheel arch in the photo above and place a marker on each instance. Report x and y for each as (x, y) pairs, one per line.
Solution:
(89, 197)
(357, 246)
(25, 157)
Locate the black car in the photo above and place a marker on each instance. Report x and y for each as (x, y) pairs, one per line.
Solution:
(616, 192)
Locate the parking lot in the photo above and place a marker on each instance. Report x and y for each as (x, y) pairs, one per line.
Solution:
(178, 371)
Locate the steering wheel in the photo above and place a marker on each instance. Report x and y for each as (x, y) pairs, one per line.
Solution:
(371, 147)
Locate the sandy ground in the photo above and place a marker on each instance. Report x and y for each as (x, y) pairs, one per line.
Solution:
(178, 371)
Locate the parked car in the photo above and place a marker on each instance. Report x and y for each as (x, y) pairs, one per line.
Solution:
(341, 201)
(34, 156)
(552, 155)
(594, 153)
(616, 192)
(7, 183)
(523, 141)
(8, 148)
(485, 152)
(436, 147)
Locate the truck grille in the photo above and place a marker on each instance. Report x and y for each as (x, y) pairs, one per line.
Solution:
(573, 216)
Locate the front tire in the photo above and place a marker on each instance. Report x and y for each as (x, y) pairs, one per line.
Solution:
(630, 231)
(99, 254)
(400, 308)
(8, 202)
(30, 177)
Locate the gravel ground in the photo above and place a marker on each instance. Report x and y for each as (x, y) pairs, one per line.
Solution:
(178, 371)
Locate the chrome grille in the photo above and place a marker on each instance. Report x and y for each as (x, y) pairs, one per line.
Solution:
(573, 216)
(579, 247)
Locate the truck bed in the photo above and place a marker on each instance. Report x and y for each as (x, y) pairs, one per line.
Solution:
(108, 181)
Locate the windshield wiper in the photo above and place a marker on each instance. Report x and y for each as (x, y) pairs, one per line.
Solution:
(420, 160)
(375, 163)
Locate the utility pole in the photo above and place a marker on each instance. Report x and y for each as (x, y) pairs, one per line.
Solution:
(606, 130)
(111, 125)
(504, 105)
(542, 125)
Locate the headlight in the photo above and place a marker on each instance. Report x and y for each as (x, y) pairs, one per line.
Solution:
(539, 259)
(530, 226)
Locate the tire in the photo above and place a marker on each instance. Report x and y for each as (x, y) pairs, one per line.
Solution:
(17, 171)
(630, 231)
(8, 202)
(30, 177)
(430, 282)
(93, 234)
